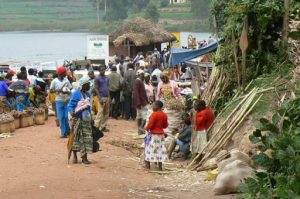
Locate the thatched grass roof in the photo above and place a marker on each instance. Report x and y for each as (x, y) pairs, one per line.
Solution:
(141, 32)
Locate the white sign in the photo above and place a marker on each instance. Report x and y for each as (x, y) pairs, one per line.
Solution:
(98, 47)
(17, 67)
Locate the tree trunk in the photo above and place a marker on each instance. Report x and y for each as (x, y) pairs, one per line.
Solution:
(236, 60)
(105, 7)
(285, 30)
(98, 14)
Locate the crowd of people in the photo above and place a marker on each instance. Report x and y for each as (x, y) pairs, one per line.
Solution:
(22, 91)
(131, 89)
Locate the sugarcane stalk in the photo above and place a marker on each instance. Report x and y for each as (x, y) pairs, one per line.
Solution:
(227, 130)
(222, 126)
(228, 135)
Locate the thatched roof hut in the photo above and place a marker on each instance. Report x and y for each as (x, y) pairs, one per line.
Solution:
(141, 33)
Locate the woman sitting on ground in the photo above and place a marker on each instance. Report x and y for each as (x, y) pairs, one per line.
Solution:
(79, 108)
(183, 138)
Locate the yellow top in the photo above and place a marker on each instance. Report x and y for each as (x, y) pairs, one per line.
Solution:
(96, 105)
(31, 94)
(51, 97)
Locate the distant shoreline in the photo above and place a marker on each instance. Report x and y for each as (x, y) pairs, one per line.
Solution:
(49, 31)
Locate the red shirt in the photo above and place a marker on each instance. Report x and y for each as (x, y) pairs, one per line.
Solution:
(204, 119)
(157, 122)
(27, 81)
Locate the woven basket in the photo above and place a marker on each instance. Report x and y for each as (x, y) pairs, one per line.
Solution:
(17, 123)
(39, 119)
(7, 127)
(26, 120)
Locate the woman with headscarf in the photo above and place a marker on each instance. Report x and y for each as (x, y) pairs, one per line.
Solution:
(168, 93)
(21, 89)
(79, 108)
(9, 76)
(62, 87)
(149, 88)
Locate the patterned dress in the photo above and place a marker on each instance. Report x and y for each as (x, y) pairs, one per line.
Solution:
(12, 102)
(5, 106)
(155, 150)
(83, 140)
(22, 102)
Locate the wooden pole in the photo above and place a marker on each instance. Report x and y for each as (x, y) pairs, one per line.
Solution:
(98, 14)
(236, 60)
(244, 47)
(285, 30)
(128, 47)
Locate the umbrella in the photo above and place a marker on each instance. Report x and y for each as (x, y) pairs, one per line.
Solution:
(71, 140)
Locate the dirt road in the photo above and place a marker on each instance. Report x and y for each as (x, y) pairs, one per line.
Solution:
(34, 165)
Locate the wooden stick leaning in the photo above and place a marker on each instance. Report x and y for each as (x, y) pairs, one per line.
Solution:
(230, 132)
(228, 136)
(222, 126)
(215, 140)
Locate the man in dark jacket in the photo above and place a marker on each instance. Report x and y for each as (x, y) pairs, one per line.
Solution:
(140, 101)
(115, 86)
(129, 78)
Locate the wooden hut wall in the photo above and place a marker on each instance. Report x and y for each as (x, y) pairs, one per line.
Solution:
(121, 50)
(150, 47)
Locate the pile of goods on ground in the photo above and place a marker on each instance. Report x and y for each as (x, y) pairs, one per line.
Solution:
(15, 119)
(39, 116)
(17, 116)
(26, 119)
(7, 123)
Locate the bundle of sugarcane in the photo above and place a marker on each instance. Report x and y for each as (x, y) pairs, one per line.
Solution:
(223, 135)
(216, 84)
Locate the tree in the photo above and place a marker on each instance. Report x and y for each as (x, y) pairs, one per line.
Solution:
(138, 5)
(201, 7)
(116, 10)
(152, 13)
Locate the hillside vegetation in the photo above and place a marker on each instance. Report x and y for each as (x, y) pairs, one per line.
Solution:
(47, 14)
(74, 15)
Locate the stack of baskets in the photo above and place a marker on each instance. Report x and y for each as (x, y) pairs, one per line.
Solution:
(39, 116)
(44, 106)
(7, 123)
(17, 119)
(26, 119)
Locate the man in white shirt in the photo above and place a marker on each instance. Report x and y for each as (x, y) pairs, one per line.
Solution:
(62, 87)
(31, 77)
(156, 72)
(141, 61)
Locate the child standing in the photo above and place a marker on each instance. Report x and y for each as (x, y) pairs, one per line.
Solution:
(155, 150)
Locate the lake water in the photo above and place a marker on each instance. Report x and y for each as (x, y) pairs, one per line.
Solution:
(42, 46)
(52, 46)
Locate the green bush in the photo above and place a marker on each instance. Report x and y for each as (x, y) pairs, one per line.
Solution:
(164, 3)
(279, 175)
(152, 13)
